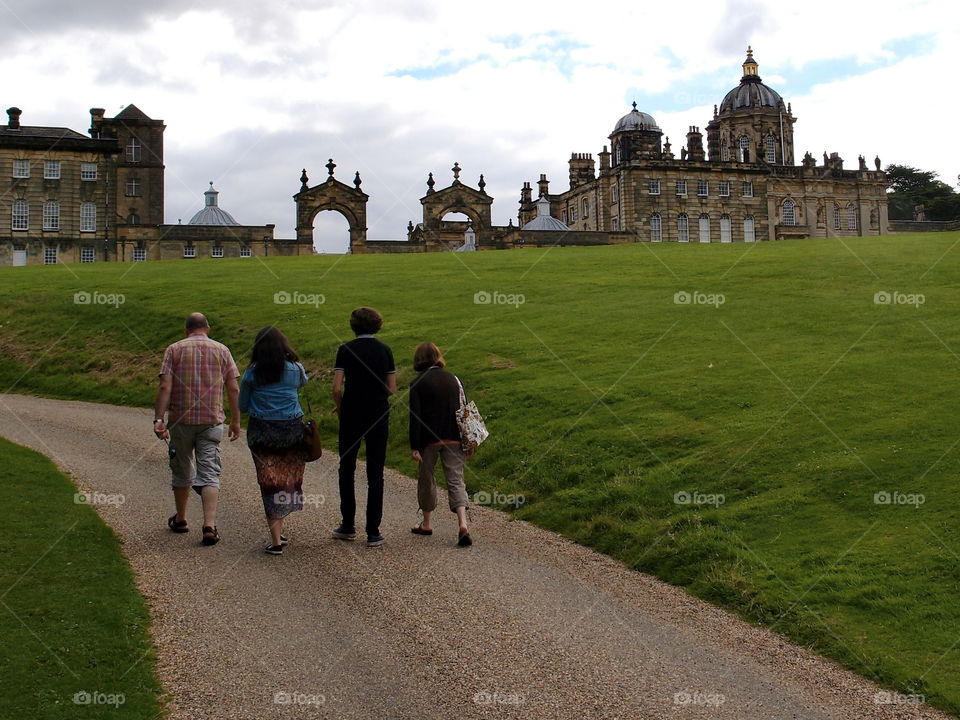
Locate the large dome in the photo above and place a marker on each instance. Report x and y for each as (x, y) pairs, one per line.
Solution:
(751, 93)
(212, 214)
(636, 120)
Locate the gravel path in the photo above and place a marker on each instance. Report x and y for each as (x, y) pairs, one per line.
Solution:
(522, 625)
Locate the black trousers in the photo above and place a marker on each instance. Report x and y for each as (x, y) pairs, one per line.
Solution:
(353, 430)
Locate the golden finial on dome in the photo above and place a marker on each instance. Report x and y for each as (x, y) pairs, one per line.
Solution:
(750, 67)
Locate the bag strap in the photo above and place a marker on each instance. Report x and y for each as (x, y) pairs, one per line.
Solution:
(463, 397)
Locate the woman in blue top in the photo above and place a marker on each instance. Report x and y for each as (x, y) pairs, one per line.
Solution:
(268, 393)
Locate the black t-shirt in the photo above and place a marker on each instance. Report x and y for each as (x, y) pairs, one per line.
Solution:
(434, 400)
(365, 362)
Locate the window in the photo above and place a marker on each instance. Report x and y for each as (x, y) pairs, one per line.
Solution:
(724, 188)
(681, 187)
(771, 150)
(748, 189)
(704, 228)
(51, 215)
(703, 189)
(851, 217)
(245, 252)
(88, 217)
(133, 219)
(836, 217)
(683, 228)
(189, 251)
(656, 230)
(87, 254)
(139, 255)
(133, 187)
(744, 149)
(133, 151)
(615, 193)
(586, 207)
(88, 171)
(724, 151)
(573, 214)
(615, 224)
(725, 234)
(789, 215)
(217, 251)
(616, 155)
(51, 169)
(749, 229)
(653, 187)
(49, 256)
(21, 168)
(21, 215)
(563, 216)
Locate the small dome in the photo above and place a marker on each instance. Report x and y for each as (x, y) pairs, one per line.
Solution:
(544, 220)
(211, 213)
(636, 120)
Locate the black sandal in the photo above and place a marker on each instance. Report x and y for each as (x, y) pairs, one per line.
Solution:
(177, 526)
(418, 530)
(464, 540)
(210, 535)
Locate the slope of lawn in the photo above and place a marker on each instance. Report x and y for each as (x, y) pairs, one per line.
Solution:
(74, 627)
(771, 426)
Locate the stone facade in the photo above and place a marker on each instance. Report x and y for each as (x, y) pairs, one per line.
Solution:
(743, 187)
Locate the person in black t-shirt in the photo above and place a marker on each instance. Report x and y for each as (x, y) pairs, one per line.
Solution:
(366, 366)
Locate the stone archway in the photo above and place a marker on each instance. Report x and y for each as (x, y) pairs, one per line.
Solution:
(456, 198)
(351, 202)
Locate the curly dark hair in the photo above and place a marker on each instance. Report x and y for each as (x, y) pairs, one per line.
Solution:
(366, 321)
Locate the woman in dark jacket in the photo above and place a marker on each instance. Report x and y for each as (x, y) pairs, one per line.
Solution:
(434, 400)
(269, 393)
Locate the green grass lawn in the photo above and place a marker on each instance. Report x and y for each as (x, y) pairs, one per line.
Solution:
(74, 627)
(795, 401)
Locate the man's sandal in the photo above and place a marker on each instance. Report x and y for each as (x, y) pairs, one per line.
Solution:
(210, 535)
(177, 526)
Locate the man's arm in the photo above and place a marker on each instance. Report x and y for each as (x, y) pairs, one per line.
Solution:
(160, 406)
(337, 390)
(391, 384)
(233, 395)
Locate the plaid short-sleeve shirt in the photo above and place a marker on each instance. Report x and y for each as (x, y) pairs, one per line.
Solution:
(199, 368)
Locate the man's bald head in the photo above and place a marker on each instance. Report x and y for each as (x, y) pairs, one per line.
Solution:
(196, 321)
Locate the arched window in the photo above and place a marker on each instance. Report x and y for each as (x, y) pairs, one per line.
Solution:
(21, 215)
(771, 149)
(88, 217)
(724, 151)
(133, 150)
(851, 216)
(744, 148)
(133, 219)
(749, 229)
(51, 215)
(789, 215)
(725, 233)
(656, 234)
(683, 228)
(616, 154)
(836, 216)
(704, 228)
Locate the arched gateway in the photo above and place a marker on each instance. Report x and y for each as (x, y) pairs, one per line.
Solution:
(351, 202)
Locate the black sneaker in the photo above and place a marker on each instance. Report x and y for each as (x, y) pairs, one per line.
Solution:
(273, 549)
(284, 540)
(375, 540)
(344, 533)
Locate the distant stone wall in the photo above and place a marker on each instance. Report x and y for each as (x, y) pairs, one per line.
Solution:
(914, 226)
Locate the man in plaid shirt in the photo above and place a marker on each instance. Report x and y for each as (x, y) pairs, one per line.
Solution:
(194, 373)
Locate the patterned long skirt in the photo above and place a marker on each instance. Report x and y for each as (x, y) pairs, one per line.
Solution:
(279, 457)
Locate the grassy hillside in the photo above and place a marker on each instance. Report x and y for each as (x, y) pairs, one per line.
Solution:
(783, 402)
(74, 628)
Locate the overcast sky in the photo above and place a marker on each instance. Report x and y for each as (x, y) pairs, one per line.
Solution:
(252, 91)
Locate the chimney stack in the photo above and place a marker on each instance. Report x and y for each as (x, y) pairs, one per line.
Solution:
(96, 121)
(542, 185)
(13, 115)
